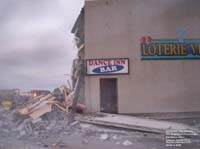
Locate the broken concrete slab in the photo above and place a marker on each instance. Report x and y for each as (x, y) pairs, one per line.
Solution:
(169, 116)
(136, 123)
(127, 143)
(104, 137)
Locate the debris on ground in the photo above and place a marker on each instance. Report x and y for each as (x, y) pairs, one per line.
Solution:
(136, 123)
(42, 116)
(127, 143)
(85, 141)
(104, 137)
(59, 145)
(41, 105)
(43, 121)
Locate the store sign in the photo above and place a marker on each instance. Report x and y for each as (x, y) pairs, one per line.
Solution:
(170, 49)
(107, 66)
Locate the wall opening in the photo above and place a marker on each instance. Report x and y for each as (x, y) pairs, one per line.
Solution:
(108, 95)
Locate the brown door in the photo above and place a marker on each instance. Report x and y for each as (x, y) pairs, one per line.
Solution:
(108, 95)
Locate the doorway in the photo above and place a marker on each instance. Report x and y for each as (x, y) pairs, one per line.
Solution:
(108, 95)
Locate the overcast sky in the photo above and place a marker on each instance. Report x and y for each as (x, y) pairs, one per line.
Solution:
(36, 46)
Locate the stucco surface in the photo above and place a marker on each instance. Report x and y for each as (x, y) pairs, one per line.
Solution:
(113, 28)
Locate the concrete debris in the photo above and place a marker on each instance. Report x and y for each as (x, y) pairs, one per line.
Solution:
(127, 143)
(104, 137)
(136, 123)
(115, 137)
(36, 120)
(84, 125)
(52, 127)
(39, 126)
(22, 133)
(74, 123)
(117, 143)
(39, 117)
(59, 145)
(85, 141)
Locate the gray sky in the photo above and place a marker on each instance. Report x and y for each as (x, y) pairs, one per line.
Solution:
(36, 46)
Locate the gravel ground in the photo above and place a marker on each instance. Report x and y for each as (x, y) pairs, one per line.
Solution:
(52, 132)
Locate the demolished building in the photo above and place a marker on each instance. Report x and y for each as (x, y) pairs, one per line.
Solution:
(136, 57)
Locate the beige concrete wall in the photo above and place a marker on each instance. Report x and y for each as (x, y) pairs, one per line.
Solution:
(113, 28)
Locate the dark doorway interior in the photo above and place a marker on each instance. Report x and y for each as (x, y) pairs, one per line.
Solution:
(108, 95)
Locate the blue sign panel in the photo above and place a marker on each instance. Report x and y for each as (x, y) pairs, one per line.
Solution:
(108, 69)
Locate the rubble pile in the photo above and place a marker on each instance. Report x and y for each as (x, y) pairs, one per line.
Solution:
(6, 124)
(13, 124)
(54, 125)
(38, 117)
(43, 121)
(25, 124)
(41, 129)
